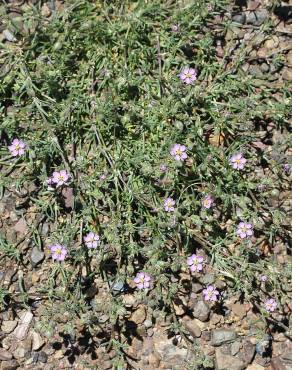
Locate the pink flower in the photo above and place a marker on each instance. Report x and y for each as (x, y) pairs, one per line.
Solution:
(188, 75)
(91, 240)
(244, 230)
(208, 201)
(60, 178)
(142, 280)
(195, 263)
(178, 152)
(237, 161)
(169, 204)
(210, 293)
(263, 278)
(59, 252)
(17, 147)
(163, 168)
(270, 305)
(175, 28)
(286, 167)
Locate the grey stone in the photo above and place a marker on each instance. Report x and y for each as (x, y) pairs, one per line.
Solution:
(9, 36)
(235, 347)
(201, 311)
(117, 287)
(208, 279)
(43, 357)
(239, 18)
(265, 67)
(36, 256)
(226, 362)
(221, 336)
(257, 18)
(148, 323)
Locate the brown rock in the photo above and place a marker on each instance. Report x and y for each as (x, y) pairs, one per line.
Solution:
(225, 361)
(154, 360)
(9, 365)
(277, 364)
(5, 355)
(239, 310)
(37, 341)
(46, 11)
(8, 326)
(193, 328)
(139, 316)
(287, 74)
(255, 367)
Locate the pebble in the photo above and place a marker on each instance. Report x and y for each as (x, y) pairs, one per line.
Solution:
(139, 316)
(10, 365)
(37, 341)
(9, 36)
(21, 330)
(148, 323)
(201, 311)
(220, 336)
(193, 328)
(257, 18)
(43, 357)
(117, 287)
(225, 361)
(239, 18)
(36, 256)
(287, 74)
(5, 355)
(8, 326)
(265, 67)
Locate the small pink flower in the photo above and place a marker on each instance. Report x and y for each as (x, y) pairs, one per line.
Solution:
(142, 280)
(59, 252)
(286, 167)
(270, 305)
(175, 28)
(210, 293)
(208, 201)
(195, 263)
(17, 147)
(163, 168)
(60, 178)
(237, 161)
(178, 152)
(91, 240)
(188, 75)
(103, 176)
(169, 204)
(244, 230)
(263, 278)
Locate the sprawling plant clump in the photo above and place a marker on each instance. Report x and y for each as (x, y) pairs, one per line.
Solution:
(138, 147)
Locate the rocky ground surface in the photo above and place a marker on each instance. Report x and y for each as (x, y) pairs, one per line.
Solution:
(229, 338)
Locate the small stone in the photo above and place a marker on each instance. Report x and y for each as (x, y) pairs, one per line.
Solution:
(197, 287)
(201, 311)
(257, 18)
(255, 367)
(154, 360)
(46, 11)
(139, 315)
(287, 74)
(220, 336)
(239, 310)
(208, 279)
(5, 355)
(9, 36)
(37, 341)
(43, 357)
(19, 352)
(129, 300)
(21, 227)
(21, 330)
(117, 287)
(225, 361)
(9, 365)
(239, 18)
(272, 43)
(148, 323)
(8, 326)
(265, 67)
(193, 328)
(36, 256)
